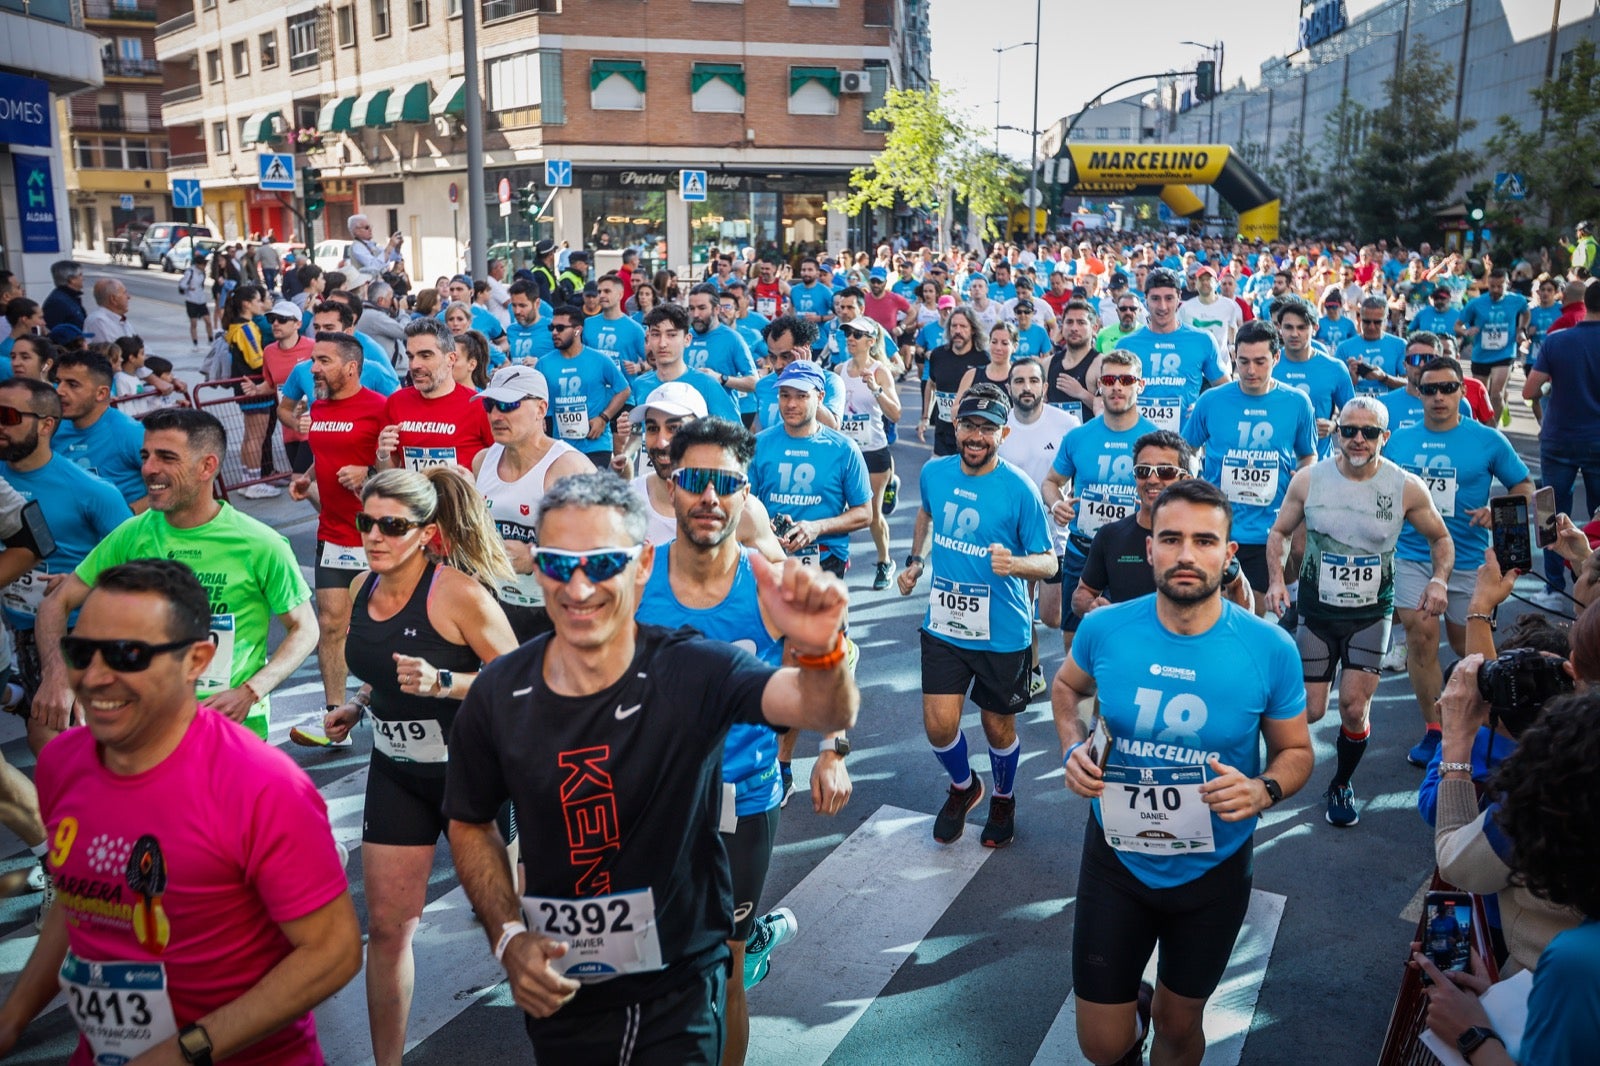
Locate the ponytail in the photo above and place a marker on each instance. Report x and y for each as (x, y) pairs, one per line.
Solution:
(470, 540)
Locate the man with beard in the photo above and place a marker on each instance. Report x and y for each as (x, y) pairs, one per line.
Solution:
(588, 389)
(1353, 507)
(612, 332)
(434, 421)
(1376, 359)
(1167, 856)
(966, 348)
(1034, 433)
(811, 299)
(342, 432)
(528, 332)
(1069, 385)
(703, 579)
(1321, 377)
(1129, 309)
(1177, 359)
(989, 537)
(788, 338)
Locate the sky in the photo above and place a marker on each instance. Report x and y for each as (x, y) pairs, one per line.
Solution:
(1120, 37)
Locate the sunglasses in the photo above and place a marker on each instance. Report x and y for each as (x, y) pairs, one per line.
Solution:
(123, 656)
(389, 525)
(1368, 432)
(1161, 471)
(280, 319)
(601, 564)
(10, 416)
(1127, 380)
(1365, 321)
(694, 479)
(1417, 360)
(560, 329)
(1440, 388)
(505, 407)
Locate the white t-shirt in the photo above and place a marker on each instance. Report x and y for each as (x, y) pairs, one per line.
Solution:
(1033, 447)
(1216, 317)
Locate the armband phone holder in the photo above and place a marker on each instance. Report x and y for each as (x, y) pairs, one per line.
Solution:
(35, 532)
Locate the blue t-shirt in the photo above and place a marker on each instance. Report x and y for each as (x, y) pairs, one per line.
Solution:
(815, 299)
(1564, 1003)
(621, 339)
(1176, 364)
(1325, 381)
(1571, 358)
(1335, 331)
(1441, 322)
(718, 403)
(1540, 319)
(1002, 293)
(758, 350)
(109, 449)
(533, 342)
(1167, 704)
(1253, 445)
(816, 477)
(1388, 353)
(1405, 410)
(766, 399)
(1033, 341)
(1098, 460)
(1457, 467)
(80, 509)
(299, 384)
(969, 513)
(929, 337)
(720, 350)
(1496, 341)
(580, 388)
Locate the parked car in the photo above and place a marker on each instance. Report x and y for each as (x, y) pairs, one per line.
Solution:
(178, 257)
(332, 255)
(158, 240)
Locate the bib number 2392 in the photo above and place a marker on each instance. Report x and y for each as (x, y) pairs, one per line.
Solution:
(606, 936)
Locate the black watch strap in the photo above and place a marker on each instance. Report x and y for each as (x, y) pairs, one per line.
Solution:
(1474, 1038)
(1274, 790)
(913, 560)
(194, 1044)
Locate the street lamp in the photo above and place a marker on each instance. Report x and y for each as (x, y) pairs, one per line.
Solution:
(998, 52)
(1214, 50)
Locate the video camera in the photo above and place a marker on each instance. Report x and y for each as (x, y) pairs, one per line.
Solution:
(1518, 684)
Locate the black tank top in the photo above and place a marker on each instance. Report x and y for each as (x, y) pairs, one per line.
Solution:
(1053, 394)
(369, 649)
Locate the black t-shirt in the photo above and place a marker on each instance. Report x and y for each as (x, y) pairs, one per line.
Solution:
(617, 791)
(946, 369)
(1117, 563)
(1080, 373)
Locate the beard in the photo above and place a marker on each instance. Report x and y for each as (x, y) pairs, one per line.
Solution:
(1185, 595)
(1025, 402)
(17, 451)
(1357, 461)
(321, 390)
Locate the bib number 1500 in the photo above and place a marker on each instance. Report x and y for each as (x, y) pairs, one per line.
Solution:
(576, 919)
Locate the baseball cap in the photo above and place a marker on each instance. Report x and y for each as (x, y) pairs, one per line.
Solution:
(1205, 270)
(1440, 291)
(803, 375)
(676, 399)
(947, 300)
(515, 382)
(1119, 280)
(878, 272)
(284, 309)
(591, 289)
(1023, 307)
(65, 333)
(580, 255)
(989, 407)
(1332, 299)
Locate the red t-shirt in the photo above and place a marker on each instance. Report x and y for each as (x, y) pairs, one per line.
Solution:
(886, 309)
(1571, 315)
(451, 429)
(1057, 301)
(1476, 393)
(625, 276)
(277, 361)
(343, 433)
(767, 299)
(1364, 272)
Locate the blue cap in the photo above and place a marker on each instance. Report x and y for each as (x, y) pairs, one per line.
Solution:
(878, 272)
(65, 333)
(801, 374)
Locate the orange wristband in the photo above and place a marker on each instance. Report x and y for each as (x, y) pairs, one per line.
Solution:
(822, 662)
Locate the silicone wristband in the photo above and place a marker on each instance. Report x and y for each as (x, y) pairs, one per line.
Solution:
(508, 932)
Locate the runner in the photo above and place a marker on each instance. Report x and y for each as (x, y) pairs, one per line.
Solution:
(433, 421)
(528, 336)
(787, 339)
(537, 729)
(965, 348)
(992, 538)
(288, 349)
(811, 299)
(872, 402)
(1129, 312)
(1495, 324)
(93, 434)
(769, 293)
(235, 917)
(997, 372)
(333, 316)
(716, 349)
(1353, 507)
(1177, 359)
(513, 475)
(1321, 377)
(666, 334)
(590, 389)
(1184, 756)
(1118, 566)
(1406, 405)
(419, 631)
(1376, 359)
(1210, 312)
(1069, 386)
(612, 333)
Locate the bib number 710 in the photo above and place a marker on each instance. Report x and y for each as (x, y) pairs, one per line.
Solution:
(1150, 799)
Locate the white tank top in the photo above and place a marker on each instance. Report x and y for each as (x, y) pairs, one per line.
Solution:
(661, 527)
(514, 506)
(863, 418)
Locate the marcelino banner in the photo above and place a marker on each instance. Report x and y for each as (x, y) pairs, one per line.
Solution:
(1163, 169)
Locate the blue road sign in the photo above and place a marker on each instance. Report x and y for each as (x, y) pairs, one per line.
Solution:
(275, 172)
(558, 173)
(125, 201)
(186, 193)
(1510, 186)
(692, 185)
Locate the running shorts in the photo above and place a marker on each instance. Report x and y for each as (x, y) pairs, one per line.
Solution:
(1325, 645)
(998, 681)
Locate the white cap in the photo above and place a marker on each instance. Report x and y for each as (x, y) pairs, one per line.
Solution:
(517, 382)
(285, 309)
(676, 399)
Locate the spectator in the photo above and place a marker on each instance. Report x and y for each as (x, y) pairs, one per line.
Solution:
(64, 305)
(269, 262)
(109, 319)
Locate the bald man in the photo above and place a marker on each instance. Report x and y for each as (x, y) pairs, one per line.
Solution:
(109, 320)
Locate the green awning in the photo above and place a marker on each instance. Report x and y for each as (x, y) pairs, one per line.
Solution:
(261, 127)
(827, 77)
(601, 69)
(335, 116)
(370, 109)
(409, 104)
(452, 99)
(732, 73)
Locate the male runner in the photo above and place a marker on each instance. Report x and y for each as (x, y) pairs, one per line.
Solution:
(1129, 309)
(1034, 432)
(1177, 359)
(1406, 405)
(1334, 329)
(1068, 384)
(966, 348)
(612, 333)
(786, 339)
(1210, 312)
(1376, 359)
(528, 334)
(1118, 566)
(667, 335)
(989, 537)
(716, 349)
(587, 389)
(1495, 323)
(1353, 507)
(433, 421)
(93, 434)
(1321, 377)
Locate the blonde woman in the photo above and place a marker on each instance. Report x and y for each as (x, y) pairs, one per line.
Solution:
(871, 403)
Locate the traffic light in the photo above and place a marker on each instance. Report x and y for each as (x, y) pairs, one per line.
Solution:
(528, 202)
(1205, 80)
(1476, 203)
(311, 189)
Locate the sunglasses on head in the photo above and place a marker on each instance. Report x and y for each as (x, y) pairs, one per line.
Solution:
(505, 407)
(389, 525)
(694, 479)
(1157, 470)
(123, 656)
(1126, 380)
(1440, 388)
(1368, 432)
(10, 416)
(599, 564)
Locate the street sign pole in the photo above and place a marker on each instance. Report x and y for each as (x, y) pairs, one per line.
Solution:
(477, 208)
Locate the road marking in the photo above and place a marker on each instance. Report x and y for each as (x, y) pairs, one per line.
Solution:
(1231, 1009)
(822, 983)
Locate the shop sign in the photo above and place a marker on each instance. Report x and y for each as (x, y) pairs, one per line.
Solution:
(1325, 19)
(36, 203)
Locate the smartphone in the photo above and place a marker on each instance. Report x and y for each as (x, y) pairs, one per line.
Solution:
(1513, 546)
(1099, 740)
(1447, 930)
(1544, 515)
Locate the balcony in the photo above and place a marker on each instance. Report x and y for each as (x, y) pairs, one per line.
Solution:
(181, 95)
(174, 25)
(118, 67)
(50, 10)
(111, 123)
(188, 159)
(117, 11)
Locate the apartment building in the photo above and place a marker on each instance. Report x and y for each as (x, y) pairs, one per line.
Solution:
(771, 97)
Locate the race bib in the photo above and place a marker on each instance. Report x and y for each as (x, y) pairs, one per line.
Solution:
(606, 936)
(1072, 407)
(423, 458)
(810, 555)
(1165, 411)
(855, 427)
(1350, 580)
(1156, 810)
(1493, 338)
(1441, 483)
(219, 674)
(943, 402)
(1250, 482)
(767, 306)
(123, 1009)
(411, 741)
(522, 592)
(339, 557)
(1098, 506)
(26, 593)
(572, 423)
(958, 610)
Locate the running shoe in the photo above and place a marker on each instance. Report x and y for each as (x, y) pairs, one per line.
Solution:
(344, 854)
(881, 576)
(46, 903)
(1001, 828)
(788, 790)
(952, 819)
(312, 736)
(1505, 417)
(1341, 806)
(770, 930)
(11, 703)
(1551, 599)
(1135, 1055)
(38, 877)
(1394, 660)
(1422, 754)
(261, 490)
(891, 495)
(1038, 685)
(852, 655)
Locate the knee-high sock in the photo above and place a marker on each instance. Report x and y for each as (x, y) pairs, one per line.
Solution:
(954, 758)
(1004, 765)
(1351, 747)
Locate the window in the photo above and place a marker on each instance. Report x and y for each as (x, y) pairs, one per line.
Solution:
(208, 5)
(616, 85)
(514, 82)
(813, 90)
(219, 138)
(418, 13)
(87, 154)
(244, 135)
(214, 65)
(130, 48)
(380, 18)
(241, 58)
(138, 155)
(303, 41)
(717, 87)
(452, 8)
(269, 50)
(1100, 132)
(345, 23)
(878, 79)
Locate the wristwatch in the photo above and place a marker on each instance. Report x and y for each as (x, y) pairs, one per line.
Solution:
(194, 1043)
(1274, 790)
(1475, 1038)
(840, 745)
(913, 560)
(447, 681)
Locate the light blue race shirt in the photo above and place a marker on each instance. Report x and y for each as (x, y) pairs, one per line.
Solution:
(1253, 445)
(1458, 466)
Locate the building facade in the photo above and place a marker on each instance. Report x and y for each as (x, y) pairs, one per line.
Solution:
(769, 97)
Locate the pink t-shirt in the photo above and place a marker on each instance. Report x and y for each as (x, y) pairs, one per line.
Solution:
(193, 865)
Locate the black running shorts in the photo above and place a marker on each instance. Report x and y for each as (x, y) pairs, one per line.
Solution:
(402, 809)
(683, 1027)
(749, 849)
(998, 681)
(1325, 644)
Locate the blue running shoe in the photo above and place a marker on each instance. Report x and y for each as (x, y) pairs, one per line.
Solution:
(1422, 754)
(770, 930)
(1341, 806)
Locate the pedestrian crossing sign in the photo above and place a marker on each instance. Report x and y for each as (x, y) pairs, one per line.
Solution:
(1510, 186)
(692, 186)
(275, 172)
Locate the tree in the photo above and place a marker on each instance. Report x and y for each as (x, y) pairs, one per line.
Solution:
(930, 155)
(1408, 167)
